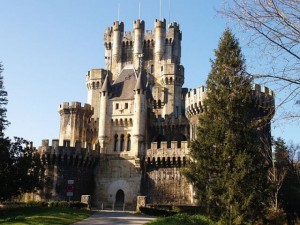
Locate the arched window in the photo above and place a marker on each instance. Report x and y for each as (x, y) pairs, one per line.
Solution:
(128, 142)
(116, 143)
(159, 104)
(122, 143)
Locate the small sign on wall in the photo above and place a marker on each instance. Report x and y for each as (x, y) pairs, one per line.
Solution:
(70, 188)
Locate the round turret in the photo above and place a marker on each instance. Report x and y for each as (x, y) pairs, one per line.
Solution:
(174, 37)
(138, 32)
(138, 29)
(118, 29)
(94, 81)
(73, 121)
(160, 36)
(103, 122)
(107, 37)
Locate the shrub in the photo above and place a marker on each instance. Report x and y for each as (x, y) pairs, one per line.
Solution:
(65, 204)
(36, 204)
(53, 204)
(188, 209)
(78, 205)
(183, 219)
(156, 212)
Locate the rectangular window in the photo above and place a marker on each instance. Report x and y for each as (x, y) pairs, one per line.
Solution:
(117, 106)
(66, 143)
(126, 105)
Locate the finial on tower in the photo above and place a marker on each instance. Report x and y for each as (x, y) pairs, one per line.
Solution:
(169, 11)
(160, 10)
(139, 9)
(118, 11)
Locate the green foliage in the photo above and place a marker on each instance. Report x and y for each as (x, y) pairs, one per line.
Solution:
(3, 103)
(156, 211)
(228, 171)
(20, 165)
(42, 215)
(37, 204)
(20, 168)
(275, 217)
(65, 204)
(181, 219)
(289, 192)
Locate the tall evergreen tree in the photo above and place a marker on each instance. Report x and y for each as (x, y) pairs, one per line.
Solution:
(288, 182)
(3, 103)
(228, 171)
(20, 165)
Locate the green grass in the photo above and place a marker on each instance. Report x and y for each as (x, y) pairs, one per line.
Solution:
(42, 215)
(181, 219)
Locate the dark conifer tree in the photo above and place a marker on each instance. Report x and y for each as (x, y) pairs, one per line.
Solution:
(289, 192)
(3, 103)
(228, 171)
(20, 165)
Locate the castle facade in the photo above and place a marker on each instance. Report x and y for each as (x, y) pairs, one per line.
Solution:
(131, 138)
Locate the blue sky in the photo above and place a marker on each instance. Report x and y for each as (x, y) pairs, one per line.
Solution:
(47, 47)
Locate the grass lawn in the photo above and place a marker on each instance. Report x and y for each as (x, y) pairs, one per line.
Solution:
(181, 219)
(42, 215)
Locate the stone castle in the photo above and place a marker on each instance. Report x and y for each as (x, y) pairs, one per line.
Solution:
(131, 138)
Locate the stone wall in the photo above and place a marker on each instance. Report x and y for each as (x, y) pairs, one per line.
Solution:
(67, 163)
(163, 181)
(117, 173)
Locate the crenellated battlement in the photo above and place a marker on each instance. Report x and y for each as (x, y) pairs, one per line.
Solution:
(96, 74)
(160, 23)
(127, 38)
(95, 79)
(74, 105)
(139, 24)
(168, 154)
(118, 26)
(149, 35)
(174, 25)
(264, 95)
(194, 99)
(63, 155)
(174, 32)
(107, 36)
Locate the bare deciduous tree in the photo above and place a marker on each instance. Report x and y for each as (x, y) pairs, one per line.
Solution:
(274, 27)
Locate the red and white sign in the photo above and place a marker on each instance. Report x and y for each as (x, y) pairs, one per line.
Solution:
(70, 188)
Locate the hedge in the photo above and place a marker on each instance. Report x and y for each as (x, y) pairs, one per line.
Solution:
(156, 212)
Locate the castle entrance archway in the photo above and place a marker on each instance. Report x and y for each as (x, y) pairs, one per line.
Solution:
(120, 196)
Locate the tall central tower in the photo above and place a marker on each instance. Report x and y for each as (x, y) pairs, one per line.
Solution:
(162, 52)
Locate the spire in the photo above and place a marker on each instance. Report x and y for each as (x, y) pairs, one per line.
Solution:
(139, 83)
(106, 85)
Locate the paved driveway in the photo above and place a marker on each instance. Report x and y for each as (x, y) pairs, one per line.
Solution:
(110, 218)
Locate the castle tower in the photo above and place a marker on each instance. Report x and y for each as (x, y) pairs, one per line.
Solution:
(103, 122)
(73, 123)
(172, 73)
(140, 112)
(138, 32)
(94, 81)
(108, 47)
(172, 80)
(160, 36)
(173, 43)
(118, 30)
